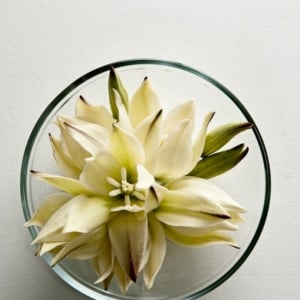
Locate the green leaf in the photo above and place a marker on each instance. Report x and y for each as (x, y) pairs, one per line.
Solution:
(115, 84)
(220, 162)
(221, 135)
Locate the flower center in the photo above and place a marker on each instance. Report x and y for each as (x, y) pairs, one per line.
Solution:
(124, 188)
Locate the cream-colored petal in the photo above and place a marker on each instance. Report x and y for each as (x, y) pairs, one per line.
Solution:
(185, 110)
(95, 114)
(149, 133)
(208, 188)
(66, 184)
(212, 238)
(127, 149)
(154, 196)
(199, 142)
(122, 277)
(84, 246)
(73, 151)
(64, 163)
(143, 103)
(145, 179)
(189, 200)
(47, 208)
(87, 214)
(157, 252)
(175, 154)
(129, 238)
(104, 262)
(48, 247)
(97, 169)
(185, 218)
(57, 220)
(90, 137)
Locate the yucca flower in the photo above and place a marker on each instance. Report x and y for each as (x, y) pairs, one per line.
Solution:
(131, 178)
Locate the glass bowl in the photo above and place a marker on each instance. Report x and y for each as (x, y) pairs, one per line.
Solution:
(187, 273)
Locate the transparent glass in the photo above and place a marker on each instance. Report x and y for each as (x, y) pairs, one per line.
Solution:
(187, 273)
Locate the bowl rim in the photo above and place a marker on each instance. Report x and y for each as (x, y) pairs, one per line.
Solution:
(81, 287)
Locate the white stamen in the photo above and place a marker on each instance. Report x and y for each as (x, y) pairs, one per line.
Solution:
(113, 182)
(115, 192)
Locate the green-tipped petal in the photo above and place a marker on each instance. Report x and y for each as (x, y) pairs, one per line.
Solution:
(220, 162)
(115, 83)
(175, 154)
(221, 135)
(157, 252)
(143, 103)
(201, 240)
(47, 208)
(95, 114)
(66, 184)
(129, 238)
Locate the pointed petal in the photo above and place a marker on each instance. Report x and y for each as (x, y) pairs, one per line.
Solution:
(69, 185)
(201, 240)
(143, 103)
(127, 149)
(90, 137)
(49, 247)
(145, 179)
(211, 190)
(95, 114)
(186, 218)
(149, 133)
(198, 145)
(175, 154)
(129, 238)
(123, 118)
(86, 215)
(62, 160)
(180, 112)
(122, 277)
(115, 83)
(84, 246)
(221, 135)
(158, 251)
(97, 169)
(104, 262)
(47, 208)
(57, 220)
(197, 201)
(220, 162)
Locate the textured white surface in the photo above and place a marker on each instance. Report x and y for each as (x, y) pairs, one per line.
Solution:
(252, 47)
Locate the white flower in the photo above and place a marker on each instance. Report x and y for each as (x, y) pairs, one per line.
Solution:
(128, 185)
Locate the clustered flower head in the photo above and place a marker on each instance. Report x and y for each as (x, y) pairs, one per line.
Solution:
(133, 176)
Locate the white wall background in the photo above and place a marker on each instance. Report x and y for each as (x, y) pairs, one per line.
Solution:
(253, 47)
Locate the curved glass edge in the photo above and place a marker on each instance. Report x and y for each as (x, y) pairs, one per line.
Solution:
(26, 158)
